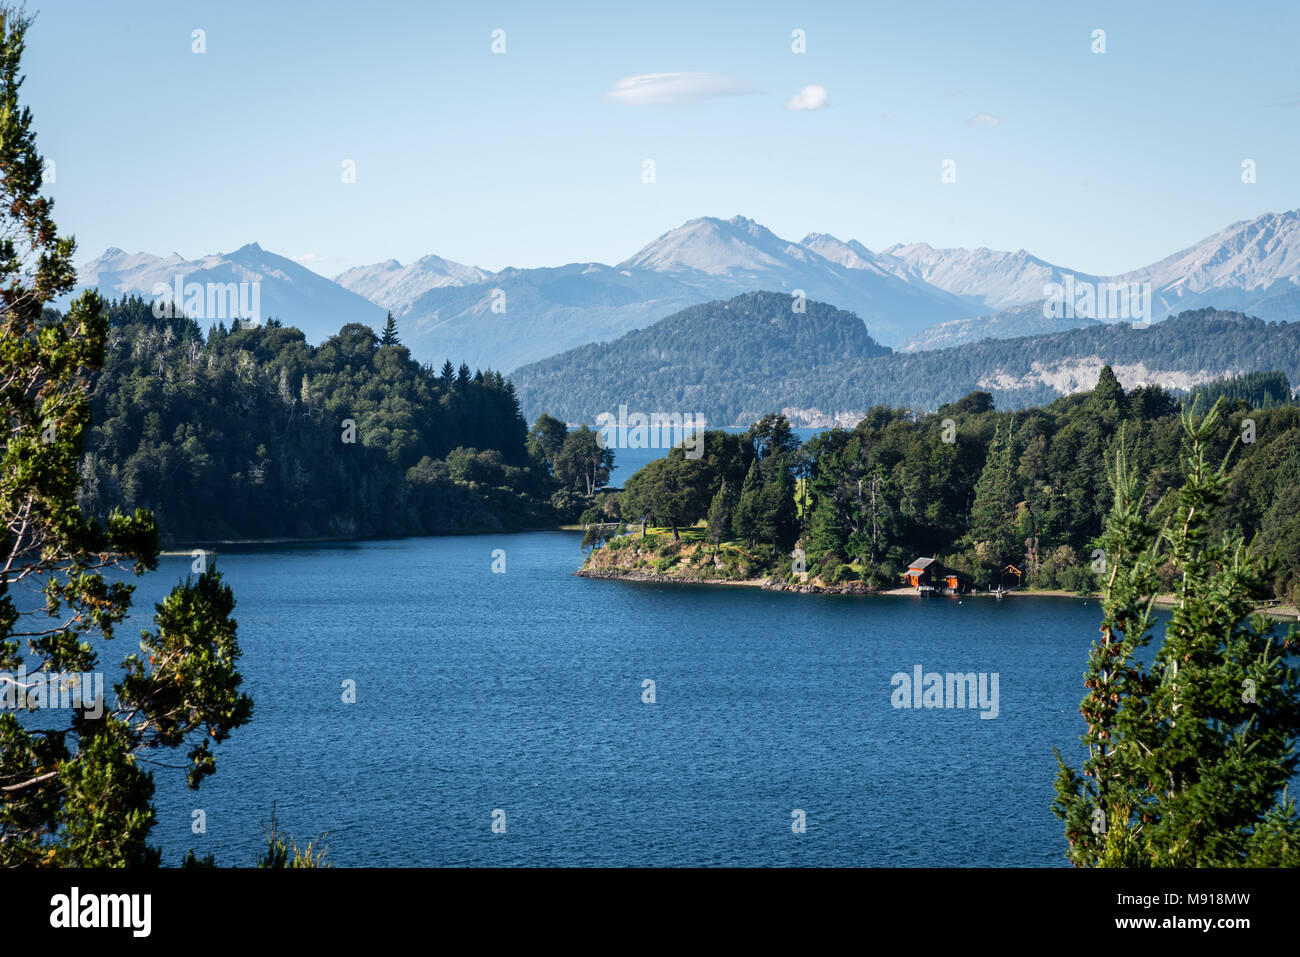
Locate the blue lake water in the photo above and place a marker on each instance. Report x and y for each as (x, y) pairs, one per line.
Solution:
(522, 692)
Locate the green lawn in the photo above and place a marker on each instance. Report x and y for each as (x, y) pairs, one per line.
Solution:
(694, 533)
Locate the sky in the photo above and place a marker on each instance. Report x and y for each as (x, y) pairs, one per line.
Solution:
(535, 156)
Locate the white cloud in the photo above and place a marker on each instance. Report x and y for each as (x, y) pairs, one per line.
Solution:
(983, 119)
(811, 97)
(307, 259)
(674, 89)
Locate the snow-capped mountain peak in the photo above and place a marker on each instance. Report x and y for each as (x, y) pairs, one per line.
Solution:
(711, 246)
(851, 254)
(284, 289)
(903, 292)
(395, 287)
(996, 278)
(1260, 254)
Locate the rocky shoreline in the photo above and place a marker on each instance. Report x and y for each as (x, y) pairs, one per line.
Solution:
(767, 584)
(658, 579)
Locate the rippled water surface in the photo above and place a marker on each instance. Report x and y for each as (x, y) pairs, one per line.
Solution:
(523, 692)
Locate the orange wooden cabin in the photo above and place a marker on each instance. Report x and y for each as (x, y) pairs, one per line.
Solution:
(928, 573)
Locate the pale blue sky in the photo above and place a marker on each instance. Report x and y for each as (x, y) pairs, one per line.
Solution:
(1100, 163)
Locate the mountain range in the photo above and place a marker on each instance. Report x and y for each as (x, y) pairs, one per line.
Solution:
(911, 297)
(286, 290)
(733, 361)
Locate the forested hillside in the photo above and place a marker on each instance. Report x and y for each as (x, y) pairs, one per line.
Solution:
(727, 359)
(1259, 390)
(976, 487)
(737, 360)
(253, 433)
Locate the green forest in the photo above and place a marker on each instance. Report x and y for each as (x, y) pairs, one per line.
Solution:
(738, 359)
(976, 487)
(252, 433)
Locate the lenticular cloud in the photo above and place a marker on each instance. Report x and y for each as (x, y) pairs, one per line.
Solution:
(674, 89)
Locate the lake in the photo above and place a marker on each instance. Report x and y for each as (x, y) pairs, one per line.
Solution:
(523, 692)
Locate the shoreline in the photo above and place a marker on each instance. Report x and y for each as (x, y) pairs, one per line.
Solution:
(654, 578)
(184, 549)
(1277, 612)
(187, 548)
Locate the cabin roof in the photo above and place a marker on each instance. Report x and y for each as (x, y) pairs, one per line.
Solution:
(921, 564)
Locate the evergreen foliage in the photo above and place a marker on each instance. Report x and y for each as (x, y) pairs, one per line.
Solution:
(977, 488)
(73, 788)
(1188, 756)
(243, 434)
(734, 360)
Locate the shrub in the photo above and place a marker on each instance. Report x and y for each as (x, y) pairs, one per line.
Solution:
(1077, 579)
(878, 575)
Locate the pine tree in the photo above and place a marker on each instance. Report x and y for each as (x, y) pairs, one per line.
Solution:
(1107, 398)
(747, 517)
(1189, 758)
(780, 519)
(719, 517)
(389, 337)
(76, 795)
(1097, 806)
(992, 527)
(448, 376)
